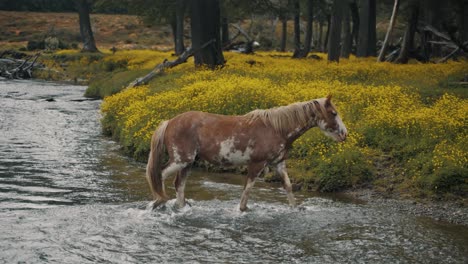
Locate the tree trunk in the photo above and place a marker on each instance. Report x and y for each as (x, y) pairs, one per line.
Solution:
(302, 52)
(346, 39)
(224, 31)
(297, 29)
(408, 39)
(320, 37)
(389, 31)
(327, 34)
(205, 26)
(335, 31)
(179, 33)
(309, 27)
(284, 32)
(463, 20)
(355, 18)
(367, 32)
(89, 44)
(429, 9)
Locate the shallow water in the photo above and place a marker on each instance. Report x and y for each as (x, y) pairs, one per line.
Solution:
(68, 196)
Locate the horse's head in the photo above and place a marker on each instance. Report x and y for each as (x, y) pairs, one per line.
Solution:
(330, 121)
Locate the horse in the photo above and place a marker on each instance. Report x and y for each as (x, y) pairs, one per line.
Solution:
(257, 139)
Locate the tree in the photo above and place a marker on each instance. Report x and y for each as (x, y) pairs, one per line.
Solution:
(355, 18)
(346, 37)
(161, 12)
(389, 31)
(463, 20)
(410, 31)
(302, 52)
(205, 23)
(367, 31)
(89, 44)
(335, 30)
(297, 28)
(179, 27)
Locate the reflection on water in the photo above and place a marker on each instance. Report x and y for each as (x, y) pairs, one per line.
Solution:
(68, 196)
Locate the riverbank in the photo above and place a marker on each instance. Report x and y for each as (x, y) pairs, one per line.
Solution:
(408, 134)
(407, 131)
(449, 211)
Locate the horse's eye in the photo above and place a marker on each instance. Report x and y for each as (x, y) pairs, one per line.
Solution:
(334, 113)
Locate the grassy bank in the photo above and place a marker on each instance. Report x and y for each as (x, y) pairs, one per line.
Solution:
(407, 123)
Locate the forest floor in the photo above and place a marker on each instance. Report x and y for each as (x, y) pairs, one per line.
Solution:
(120, 31)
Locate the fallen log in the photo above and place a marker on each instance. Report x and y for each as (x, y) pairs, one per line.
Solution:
(17, 68)
(167, 65)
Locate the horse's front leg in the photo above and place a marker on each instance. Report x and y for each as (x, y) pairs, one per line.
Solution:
(253, 170)
(281, 170)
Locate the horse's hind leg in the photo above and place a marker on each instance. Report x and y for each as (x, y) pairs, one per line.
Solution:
(179, 184)
(281, 169)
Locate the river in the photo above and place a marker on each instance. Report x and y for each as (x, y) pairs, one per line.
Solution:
(68, 196)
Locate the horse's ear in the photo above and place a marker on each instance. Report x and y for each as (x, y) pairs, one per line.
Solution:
(328, 100)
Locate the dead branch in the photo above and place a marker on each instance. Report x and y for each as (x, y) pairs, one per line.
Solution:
(16, 68)
(159, 69)
(444, 59)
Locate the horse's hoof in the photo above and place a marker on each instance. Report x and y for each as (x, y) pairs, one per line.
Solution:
(158, 203)
(243, 209)
(300, 208)
(187, 202)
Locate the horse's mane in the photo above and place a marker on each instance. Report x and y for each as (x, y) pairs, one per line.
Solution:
(285, 119)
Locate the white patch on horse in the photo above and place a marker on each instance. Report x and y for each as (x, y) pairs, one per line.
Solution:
(290, 134)
(172, 168)
(175, 154)
(322, 124)
(175, 165)
(280, 154)
(229, 153)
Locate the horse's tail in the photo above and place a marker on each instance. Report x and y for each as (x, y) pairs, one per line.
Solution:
(154, 167)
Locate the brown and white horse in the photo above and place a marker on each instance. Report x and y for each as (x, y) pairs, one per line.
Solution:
(257, 139)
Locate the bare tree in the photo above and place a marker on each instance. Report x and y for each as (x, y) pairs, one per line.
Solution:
(389, 31)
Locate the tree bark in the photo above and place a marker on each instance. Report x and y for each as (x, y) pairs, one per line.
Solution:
(335, 31)
(346, 38)
(320, 37)
(224, 30)
(463, 20)
(408, 39)
(389, 31)
(367, 32)
(179, 32)
(284, 32)
(302, 52)
(205, 26)
(89, 44)
(327, 34)
(355, 18)
(297, 29)
(309, 27)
